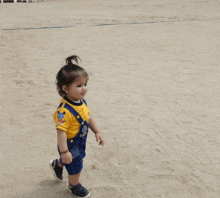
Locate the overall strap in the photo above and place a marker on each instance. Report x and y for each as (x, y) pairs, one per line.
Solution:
(74, 112)
(84, 101)
(60, 105)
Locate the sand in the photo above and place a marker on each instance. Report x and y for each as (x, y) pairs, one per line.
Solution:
(153, 91)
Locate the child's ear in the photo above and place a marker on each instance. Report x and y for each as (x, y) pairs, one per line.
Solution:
(65, 88)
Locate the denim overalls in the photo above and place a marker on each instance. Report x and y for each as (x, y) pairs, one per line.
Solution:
(77, 145)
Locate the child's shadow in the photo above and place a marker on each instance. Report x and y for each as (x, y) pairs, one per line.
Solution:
(50, 189)
(50, 183)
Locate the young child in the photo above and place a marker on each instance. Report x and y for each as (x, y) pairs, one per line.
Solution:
(72, 119)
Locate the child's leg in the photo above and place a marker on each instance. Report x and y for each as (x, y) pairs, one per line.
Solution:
(74, 179)
(76, 188)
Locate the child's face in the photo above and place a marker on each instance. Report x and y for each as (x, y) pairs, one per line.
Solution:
(77, 90)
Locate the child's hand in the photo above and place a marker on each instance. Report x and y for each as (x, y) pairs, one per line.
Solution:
(99, 139)
(66, 157)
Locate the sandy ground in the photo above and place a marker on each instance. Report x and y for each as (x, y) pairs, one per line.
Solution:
(153, 90)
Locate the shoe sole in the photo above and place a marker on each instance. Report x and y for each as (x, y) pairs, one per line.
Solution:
(54, 174)
(87, 196)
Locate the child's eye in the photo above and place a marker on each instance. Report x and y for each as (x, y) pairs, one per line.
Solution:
(79, 85)
(85, 84)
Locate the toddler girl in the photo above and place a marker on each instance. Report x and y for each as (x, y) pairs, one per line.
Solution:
(72, 119)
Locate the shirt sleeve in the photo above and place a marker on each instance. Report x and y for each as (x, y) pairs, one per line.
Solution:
(62, 119)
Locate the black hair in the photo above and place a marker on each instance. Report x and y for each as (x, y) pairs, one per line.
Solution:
(68, 73)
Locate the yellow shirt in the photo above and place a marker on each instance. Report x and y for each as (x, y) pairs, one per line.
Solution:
(66, 121)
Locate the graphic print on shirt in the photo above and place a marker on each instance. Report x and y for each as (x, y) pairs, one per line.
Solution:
(60, 117)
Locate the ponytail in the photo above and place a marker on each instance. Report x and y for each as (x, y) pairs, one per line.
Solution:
(70, 58)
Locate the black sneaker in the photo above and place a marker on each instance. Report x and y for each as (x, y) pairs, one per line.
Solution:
(57, 171)
(79, 191)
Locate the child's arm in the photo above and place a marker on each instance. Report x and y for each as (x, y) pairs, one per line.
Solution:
(66, 156)
(94, 128)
